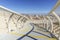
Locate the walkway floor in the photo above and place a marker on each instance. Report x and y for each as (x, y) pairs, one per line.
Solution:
(27, 33)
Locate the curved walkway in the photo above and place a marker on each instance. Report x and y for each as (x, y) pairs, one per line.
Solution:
(34, 35)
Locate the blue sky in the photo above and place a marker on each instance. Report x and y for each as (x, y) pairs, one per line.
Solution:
(29, 6)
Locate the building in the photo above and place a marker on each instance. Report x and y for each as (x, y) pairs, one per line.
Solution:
(14, 26)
